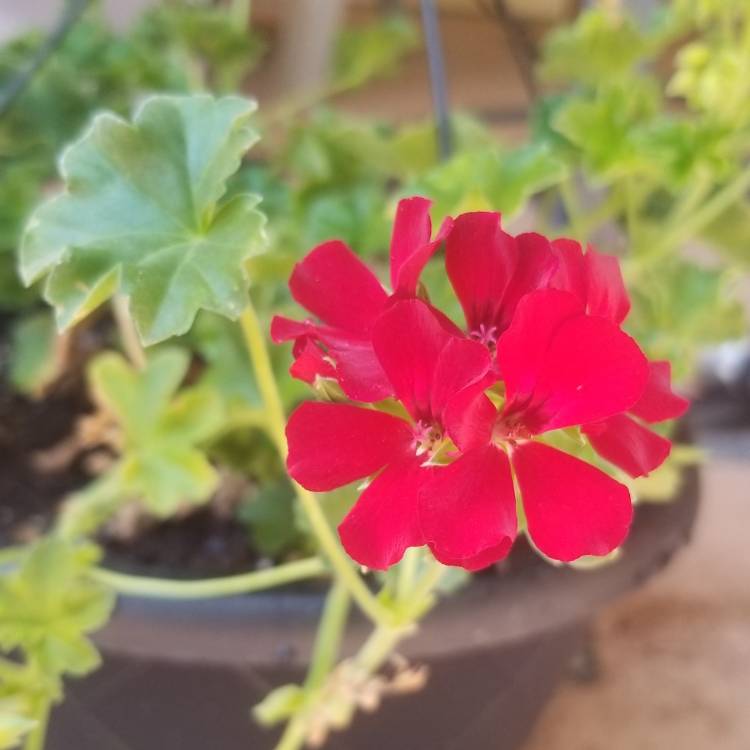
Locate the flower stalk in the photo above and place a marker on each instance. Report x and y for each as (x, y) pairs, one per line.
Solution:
(275, 422)
(209, 588)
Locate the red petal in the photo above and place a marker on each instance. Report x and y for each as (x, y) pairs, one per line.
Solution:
(469, 419)
(310, 363)
(359, 372)
(572, 508)
(385, 520)
(408, 340)
(336, 286)
(606, 293)
(629, 445)
(480, 259)
(659, 402)
(468, 510)
(460, 364)
(591, 371)
(594, 278)
(331, 445)
(357, 369)
(536, 264)
(522, 349)
(571, 271)
(411, 247)
(283, 329)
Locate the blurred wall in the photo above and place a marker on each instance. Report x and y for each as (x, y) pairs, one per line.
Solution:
(17, 16)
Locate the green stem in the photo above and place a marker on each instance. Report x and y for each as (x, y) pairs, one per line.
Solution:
(330, 632)
(408, 569)
(83, 513)
(379, 646)
(256, 346)
(685, 224)
(36, 738)
(374, 652)
(245, 583)
(689, 226)
(422, 596)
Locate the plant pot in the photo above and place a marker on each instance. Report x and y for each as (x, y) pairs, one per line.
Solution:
(183, 675)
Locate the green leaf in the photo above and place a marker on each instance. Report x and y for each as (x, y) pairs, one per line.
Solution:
(279, 704)
(143, 215)
(161, 462)
(680, 307)
(228, 367)
(15, 721)
(270, 517)
(211, 36)
(523, 173)
(48, 606)
(356, 215)
(713, 79)
(491, 179)
(604, 127)
(598, 47)
(373, 50)
(32, 355)
(414, 147)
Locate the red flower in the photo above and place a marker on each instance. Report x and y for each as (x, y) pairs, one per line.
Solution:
(595, 278)
(625, 441)
(622, 439)
(331, 445)
(446, 465)
(345, 295)
(561, 368)
(490, 271)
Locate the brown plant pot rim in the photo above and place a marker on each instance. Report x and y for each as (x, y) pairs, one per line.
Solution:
(267, 628)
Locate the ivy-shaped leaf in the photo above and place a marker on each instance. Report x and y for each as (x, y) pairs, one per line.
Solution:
(605, 127)
(161, 463)
(143, 215)
(48, 606)
(600, 46)
(491, 179)
(373, 50)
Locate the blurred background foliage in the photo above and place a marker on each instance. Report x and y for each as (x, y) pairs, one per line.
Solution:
(639, 143)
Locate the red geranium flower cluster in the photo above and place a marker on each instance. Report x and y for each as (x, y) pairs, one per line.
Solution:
(450, 429)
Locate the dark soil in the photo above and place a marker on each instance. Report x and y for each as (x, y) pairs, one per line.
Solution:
(201, 544)
(28, 497)
(198, 545)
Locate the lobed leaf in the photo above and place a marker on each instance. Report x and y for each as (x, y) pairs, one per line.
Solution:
(143, 215)
(161, 463)
(48, 606)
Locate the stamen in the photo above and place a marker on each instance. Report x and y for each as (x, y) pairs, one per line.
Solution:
(486, 335)
(427, 438)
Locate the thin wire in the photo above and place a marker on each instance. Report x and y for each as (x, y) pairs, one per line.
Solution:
(435, 60)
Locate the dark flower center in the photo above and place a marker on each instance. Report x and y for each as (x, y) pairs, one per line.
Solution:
(486, 335)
